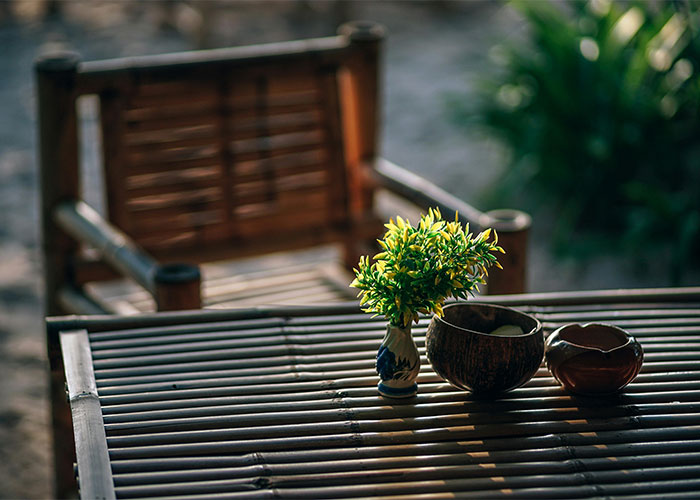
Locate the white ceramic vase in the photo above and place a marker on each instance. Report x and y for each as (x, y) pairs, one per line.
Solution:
(398, 363)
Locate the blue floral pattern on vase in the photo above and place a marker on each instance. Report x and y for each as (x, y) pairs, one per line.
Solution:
(386, 363)
(398, 363)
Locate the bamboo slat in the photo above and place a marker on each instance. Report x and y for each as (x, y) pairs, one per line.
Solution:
(194, 175)
(311, 160)
(213, 152)
(595, 458)
(548, 447)
(284, 405)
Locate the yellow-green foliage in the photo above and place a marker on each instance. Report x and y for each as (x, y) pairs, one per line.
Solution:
(422, 266)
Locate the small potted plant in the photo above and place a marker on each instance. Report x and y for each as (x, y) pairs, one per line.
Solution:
(418, 269)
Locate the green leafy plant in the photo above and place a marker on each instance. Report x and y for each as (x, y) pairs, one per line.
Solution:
(601, 114)
(420, 267)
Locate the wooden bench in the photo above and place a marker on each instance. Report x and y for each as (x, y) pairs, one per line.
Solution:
(223, 154)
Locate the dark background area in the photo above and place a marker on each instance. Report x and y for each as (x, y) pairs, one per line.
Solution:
(433, 50)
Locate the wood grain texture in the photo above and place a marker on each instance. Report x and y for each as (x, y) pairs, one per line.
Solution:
(462, 351)
(221, 154)
(218, 153)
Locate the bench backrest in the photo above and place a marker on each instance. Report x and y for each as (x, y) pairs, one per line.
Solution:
(224, 152)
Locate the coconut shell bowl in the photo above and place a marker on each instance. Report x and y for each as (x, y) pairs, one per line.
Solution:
(483, 348)
(593, 359)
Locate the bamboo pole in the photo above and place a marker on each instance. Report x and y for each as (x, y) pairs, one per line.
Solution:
(90, 439)
(291, 373)
(597, 458)
(306, 339)
(177, 287)
(234, 406)
(212, 368)
(83, 223)
(58, 141)
(174, 286)
(372, 433)
(574, 444)
(513, 229)
(465, 477)
(413, 417)
(230, 330)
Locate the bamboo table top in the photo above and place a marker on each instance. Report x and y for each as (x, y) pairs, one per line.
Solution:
(270, 403)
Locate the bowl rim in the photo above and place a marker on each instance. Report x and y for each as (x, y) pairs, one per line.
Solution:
(534, 331)
(629, 339)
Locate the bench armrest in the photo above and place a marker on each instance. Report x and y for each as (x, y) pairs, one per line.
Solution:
(173, 286)
(421, 191)
(512, 226)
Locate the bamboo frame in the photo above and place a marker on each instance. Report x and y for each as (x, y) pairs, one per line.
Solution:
(174, 286)
(90, 439)
(290, 409)
(84, 224)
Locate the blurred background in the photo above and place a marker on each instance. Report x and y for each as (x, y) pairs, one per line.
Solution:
(584, 114)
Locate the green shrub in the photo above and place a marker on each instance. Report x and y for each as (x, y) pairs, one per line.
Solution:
(600, 112)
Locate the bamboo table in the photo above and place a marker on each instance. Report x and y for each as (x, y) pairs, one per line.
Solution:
(269, 403)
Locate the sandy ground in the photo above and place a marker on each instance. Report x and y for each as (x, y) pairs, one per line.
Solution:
(432, 49)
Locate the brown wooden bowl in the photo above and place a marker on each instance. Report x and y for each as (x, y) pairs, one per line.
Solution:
(593, 359)
(464, 354)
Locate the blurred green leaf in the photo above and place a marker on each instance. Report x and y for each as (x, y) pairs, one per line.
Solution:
(601, 114)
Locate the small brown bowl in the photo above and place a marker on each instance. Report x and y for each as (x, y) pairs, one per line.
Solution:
(464, 354)
(593, 359)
